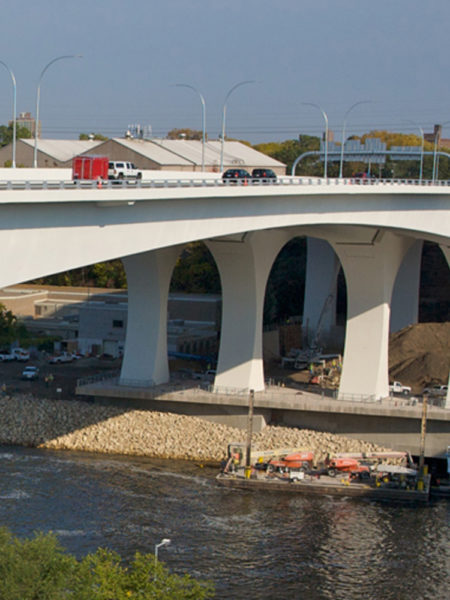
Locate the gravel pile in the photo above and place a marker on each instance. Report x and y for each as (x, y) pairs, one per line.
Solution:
(76, 425)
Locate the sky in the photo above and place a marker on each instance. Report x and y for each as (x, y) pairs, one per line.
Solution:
(329, 53)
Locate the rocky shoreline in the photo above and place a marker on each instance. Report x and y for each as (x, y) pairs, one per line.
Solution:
(77, 425)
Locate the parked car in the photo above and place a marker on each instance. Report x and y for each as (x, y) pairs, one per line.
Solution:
(119, 169)
(30, 372)
(6, 356)
(236, 176)
(436, 390)
(264, 175)
(20, 354)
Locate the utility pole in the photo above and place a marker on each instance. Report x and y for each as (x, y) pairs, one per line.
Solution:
(249, 434)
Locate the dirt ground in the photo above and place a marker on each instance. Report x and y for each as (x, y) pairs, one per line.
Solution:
(419, 355)
(65, 376)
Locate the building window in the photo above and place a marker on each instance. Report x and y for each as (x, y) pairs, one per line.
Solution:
(118, 323)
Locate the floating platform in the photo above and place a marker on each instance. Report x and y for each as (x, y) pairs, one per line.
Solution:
(324, 486)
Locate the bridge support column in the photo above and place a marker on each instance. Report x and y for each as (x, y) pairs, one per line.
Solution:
(370, 271)
(148, 275)
(319, 310)
(446, 252)
(405, 297)
(244, 265)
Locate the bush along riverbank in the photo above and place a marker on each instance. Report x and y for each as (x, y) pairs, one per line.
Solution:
(77, 425)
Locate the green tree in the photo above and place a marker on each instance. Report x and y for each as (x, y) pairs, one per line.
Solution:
(196, 271)
(188, 134)
(93, 136)
(40, 569)
(289, 150)
(6, 134)
(10, 328)
(286, 284)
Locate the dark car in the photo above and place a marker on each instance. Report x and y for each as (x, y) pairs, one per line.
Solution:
(236, 176)
(264, 175)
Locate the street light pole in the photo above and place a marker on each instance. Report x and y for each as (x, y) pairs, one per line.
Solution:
(224, 117)
(14, 113)
(38, 95)
(163, 542)
(203, 118)
(324, 114)
(341, 165)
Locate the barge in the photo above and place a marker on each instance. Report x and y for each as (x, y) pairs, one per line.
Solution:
(353, 475)
(323, 486)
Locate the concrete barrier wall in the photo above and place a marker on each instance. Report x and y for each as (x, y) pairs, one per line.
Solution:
(56, 174)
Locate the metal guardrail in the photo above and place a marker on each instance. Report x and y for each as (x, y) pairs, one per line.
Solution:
(115, 379)
(31, 185)
(138, 383)
(361, 398)
(98, 378)
(268, 394)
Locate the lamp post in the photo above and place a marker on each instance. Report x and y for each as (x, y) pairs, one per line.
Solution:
(38, 95)
(341, 165)
(324, 114)
(163, 542)
(14, 113)
(191, 87)
(422, 147)
(224, 117)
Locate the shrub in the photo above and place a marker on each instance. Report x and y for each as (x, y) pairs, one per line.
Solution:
(41, 569)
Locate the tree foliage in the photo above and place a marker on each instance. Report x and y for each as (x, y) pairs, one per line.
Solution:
(186, 133)
(93, 136)
(10, 328)
(40, 569)
(196, 271)
(110, 274)
(289, 150)
(286, 284)
(6, 133)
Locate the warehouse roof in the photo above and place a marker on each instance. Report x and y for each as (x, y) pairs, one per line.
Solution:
(63, 150)
(190, 152)
(186, 155)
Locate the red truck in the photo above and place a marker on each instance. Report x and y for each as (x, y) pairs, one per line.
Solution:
(90, 167)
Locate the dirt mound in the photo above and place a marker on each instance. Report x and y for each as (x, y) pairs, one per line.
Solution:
(419, 355)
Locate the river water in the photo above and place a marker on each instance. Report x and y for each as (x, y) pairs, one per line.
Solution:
(252, 546)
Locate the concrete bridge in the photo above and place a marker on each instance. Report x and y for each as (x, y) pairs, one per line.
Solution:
(49, 227)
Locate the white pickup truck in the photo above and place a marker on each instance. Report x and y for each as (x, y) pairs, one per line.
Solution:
(398, 388)
(64, 357)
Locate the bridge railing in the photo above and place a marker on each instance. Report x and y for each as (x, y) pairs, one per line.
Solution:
(200, 182)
